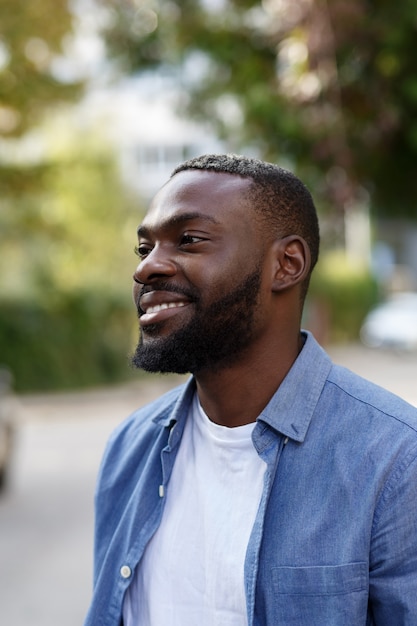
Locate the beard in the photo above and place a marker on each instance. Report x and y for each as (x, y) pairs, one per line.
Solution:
(216, 335)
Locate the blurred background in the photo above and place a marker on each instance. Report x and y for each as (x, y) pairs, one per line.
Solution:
(99, 101)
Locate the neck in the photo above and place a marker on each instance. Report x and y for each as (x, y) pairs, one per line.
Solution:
(236, 395)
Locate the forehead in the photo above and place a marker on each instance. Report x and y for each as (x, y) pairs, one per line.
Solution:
(221, 196)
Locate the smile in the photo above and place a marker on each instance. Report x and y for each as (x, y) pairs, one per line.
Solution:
(158, 306)
(164, 305)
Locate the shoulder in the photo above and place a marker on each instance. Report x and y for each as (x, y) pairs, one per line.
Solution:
(354, 392)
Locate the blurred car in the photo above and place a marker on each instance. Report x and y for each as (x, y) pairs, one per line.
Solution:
(392, 324)
(8, 412)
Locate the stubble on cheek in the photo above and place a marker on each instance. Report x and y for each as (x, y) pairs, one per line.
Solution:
(216, 334)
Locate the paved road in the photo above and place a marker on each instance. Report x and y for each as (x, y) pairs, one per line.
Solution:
(46, 518)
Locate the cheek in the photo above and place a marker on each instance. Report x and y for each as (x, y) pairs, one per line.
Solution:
(214, 286)
(227, 270)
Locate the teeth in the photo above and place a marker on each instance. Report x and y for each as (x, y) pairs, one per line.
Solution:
(164, 305)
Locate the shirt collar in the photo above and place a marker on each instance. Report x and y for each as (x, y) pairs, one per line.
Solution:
(168, 415)
(292, 406)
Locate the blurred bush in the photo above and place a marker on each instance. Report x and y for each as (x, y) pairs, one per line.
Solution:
(78, 340)
(341, 294)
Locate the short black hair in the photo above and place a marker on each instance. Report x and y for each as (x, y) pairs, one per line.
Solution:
(276, 194)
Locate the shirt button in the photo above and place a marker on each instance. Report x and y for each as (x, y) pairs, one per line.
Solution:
(125, 571)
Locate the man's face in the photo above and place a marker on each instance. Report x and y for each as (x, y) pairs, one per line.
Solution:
(200, 274)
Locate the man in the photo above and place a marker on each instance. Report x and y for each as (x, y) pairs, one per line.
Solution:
(274, 487)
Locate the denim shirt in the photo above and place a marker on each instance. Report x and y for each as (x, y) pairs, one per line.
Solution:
(334, 542)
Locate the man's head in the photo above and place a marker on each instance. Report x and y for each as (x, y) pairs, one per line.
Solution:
(224, 263)
(275, 194)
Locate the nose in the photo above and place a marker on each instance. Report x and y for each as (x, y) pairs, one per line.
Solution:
(156, 265)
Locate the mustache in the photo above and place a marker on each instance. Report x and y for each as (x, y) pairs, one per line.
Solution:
(189, 292)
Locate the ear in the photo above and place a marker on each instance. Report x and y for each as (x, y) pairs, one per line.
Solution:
(292, 262)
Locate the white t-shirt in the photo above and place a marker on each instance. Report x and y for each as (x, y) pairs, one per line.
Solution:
(192, 571)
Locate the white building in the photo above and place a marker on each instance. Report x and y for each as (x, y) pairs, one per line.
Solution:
(141, 120)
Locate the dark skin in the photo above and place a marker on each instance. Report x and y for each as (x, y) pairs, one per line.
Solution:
(200, 231)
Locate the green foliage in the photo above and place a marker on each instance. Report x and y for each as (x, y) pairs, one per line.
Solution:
(78, 340)
(66, 312)
(329, 86)
(66, 224)
(341, 294)
(32, 34)
(77, 233)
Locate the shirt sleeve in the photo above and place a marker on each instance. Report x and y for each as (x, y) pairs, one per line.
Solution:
(393, 558)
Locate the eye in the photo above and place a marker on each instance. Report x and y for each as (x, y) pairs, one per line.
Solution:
(187, 239)
(142, 250)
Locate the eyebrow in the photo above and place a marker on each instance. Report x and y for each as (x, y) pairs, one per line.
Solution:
(175, 220)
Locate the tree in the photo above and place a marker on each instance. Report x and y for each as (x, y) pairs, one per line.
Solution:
(32, 35)
(66, 313)
(66, 222)
(330, 85)
(76, 235)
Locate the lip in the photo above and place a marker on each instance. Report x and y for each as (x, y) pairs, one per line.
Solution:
(156, 306)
